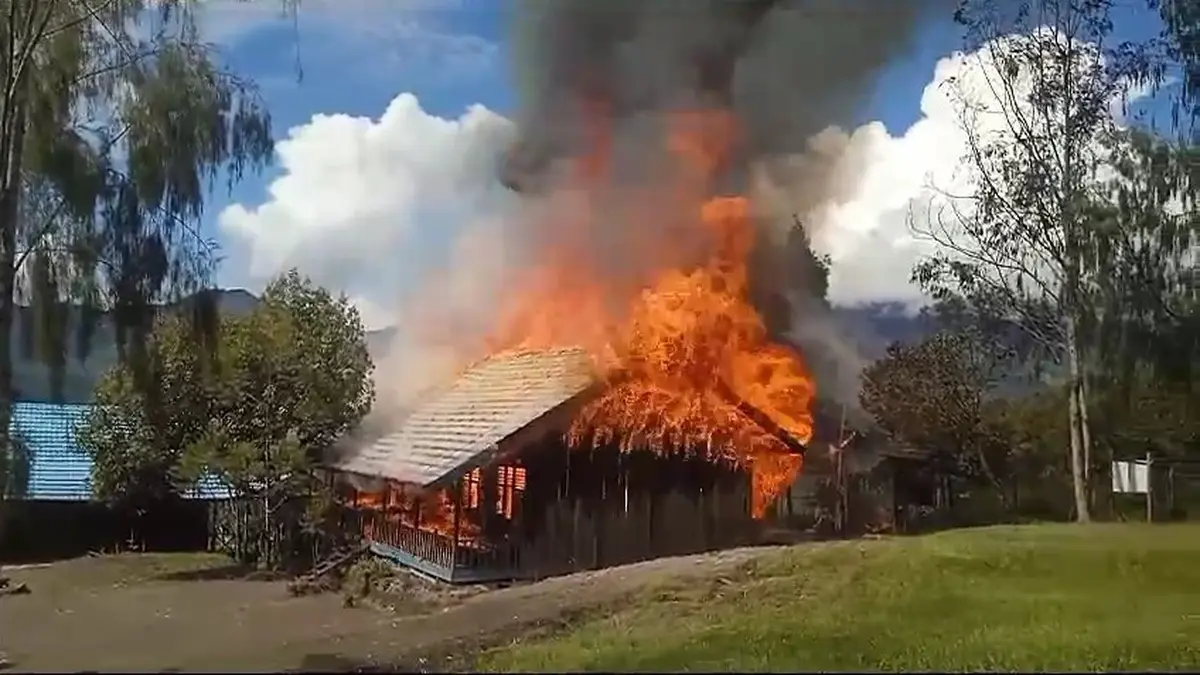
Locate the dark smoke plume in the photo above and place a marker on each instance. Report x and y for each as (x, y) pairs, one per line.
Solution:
(788, 69)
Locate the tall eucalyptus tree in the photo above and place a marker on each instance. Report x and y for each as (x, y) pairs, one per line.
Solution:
(116, 120)
(1037, 119)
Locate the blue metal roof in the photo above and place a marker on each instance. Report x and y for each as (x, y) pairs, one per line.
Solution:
(60, 469)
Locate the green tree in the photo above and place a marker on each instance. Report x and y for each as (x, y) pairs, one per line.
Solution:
(258, 412)
(1036, 118)
(15, 468)
(14, 472)
(1030, 426)
(1142, 330)
(1146, 232)
(1179, 40)
(137, 438)
(934, 395)
(115, 122)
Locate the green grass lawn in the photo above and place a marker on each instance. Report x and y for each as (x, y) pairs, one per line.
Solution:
(1044, 597)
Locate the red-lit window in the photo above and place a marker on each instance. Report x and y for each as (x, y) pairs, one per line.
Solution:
(474, 487)
(511, 481)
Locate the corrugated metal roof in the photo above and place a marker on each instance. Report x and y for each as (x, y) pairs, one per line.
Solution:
(59, 468)
(486, 404)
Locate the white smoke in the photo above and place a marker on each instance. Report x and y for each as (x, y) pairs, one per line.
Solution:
(404, 213)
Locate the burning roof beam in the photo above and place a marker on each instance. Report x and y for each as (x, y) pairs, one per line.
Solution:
(761, 419)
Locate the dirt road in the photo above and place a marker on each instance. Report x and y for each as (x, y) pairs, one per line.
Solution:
(240, 625)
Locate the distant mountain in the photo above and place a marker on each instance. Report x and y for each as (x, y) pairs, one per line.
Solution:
(872, 327)
(31, 377)
(233, 301)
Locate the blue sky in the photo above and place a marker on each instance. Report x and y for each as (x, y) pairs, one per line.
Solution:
(354, 58)
(310, 67)
(450, 53)
(321, 62)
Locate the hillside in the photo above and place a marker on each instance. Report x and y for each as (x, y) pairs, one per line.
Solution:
(873, 327)
(1044, 598)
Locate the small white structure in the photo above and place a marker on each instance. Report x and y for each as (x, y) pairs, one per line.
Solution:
(1131, 477)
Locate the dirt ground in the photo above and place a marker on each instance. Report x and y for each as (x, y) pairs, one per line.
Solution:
(176, 614)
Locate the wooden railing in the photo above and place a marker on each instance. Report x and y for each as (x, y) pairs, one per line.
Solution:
(484, 557)
(430, 546)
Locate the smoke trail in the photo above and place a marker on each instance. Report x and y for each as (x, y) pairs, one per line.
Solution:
(788, 69)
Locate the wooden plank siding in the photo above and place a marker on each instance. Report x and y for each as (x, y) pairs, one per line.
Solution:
(580, 510)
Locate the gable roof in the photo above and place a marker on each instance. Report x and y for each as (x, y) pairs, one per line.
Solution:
(454, 427)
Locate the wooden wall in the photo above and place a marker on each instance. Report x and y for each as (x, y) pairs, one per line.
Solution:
(590, 509)
(577, 509)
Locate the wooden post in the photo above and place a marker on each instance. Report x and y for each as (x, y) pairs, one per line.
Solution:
(595, 507)
(458, 503)
(714, 512)
(385, 520)
(490, 488)
(839, 482)
(566, 476)
(648, 486)
(623, 483)
(889, 472)
(1170, 492)
(843, 501)
(1149, 487)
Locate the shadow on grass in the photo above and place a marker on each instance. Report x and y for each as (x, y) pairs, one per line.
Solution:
(230, 572)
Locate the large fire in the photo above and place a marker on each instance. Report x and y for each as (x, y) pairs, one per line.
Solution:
(676, 351)
(680, 347)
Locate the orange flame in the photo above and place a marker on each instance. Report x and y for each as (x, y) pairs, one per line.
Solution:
(429, 511)
(434, 511)
(671, 350)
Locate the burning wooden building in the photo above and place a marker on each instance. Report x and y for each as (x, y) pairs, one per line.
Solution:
(481, 481)
(615, 418)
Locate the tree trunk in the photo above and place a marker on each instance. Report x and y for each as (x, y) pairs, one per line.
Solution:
(268, 559)
(11, 159)
(994, 480)
(1071, 239)
(1085, 435)
(1074, 414)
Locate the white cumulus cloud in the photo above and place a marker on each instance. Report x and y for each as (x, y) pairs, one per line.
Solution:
(372, 206)
(916, 180)
(867, 232)
(364, 205)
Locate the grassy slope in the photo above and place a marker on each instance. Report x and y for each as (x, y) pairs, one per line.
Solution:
(1036, 598)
